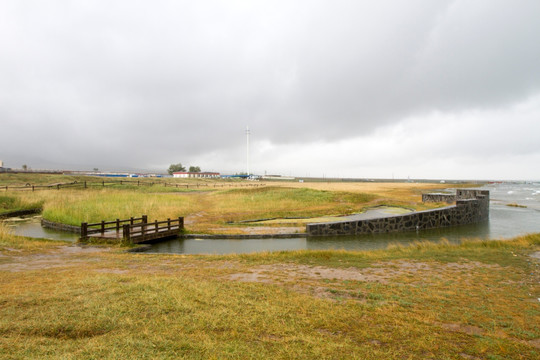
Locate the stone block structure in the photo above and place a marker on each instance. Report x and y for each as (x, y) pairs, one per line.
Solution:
(472, 206)
(59, 226)
(439, 197)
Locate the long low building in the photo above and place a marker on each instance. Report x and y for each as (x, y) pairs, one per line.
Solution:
(187, 174)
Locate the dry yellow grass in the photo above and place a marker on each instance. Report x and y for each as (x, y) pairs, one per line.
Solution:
(396, 190)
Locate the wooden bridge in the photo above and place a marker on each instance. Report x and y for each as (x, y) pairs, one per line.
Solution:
(134, 230)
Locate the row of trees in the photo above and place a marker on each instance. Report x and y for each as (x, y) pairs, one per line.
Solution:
(178, 167)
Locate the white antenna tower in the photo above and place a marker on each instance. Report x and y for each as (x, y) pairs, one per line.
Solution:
(247, 148)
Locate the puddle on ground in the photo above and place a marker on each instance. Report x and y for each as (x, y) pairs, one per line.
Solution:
(31, 227)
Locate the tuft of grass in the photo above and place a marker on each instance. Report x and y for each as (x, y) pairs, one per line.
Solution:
(93, 205)
(516, 205)
(10, 204)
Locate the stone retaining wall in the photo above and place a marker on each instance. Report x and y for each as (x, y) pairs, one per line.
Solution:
(472, 206)
(439, 197)
(58, 226)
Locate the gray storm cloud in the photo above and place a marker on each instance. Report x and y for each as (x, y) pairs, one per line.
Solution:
(137, 83)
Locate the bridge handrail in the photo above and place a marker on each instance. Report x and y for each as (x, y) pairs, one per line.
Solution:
(89, 228)
(146, 228)
(116, 221)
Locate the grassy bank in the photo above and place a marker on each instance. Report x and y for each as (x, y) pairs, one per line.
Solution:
(209, 208)
(477, 300)
(12, 204)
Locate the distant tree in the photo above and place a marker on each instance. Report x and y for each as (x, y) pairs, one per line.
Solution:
(194, 169)
(96, 169)
(25, 167)
(175, 168)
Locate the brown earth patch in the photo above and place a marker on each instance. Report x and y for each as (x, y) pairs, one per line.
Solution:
(534, 343)
(466, 329)
(381, 272)
(476, 331)
(62, 256)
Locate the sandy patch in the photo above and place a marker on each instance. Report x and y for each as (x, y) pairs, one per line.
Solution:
(476, 331)
(63, 256)
(381, 273)
(534, 343)
(466, 329)
(112, 271)
(193, 218)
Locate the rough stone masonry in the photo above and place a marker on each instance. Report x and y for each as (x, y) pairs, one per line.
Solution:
(472, 206)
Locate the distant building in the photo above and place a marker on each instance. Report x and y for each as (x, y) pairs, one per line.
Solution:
(187, 174)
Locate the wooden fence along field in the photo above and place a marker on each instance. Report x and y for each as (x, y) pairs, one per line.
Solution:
(133, 230)
(94, 184)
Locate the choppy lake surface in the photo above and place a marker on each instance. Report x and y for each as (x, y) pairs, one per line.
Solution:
(505, 222)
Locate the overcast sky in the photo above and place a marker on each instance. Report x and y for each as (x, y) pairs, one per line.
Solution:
(417, 88)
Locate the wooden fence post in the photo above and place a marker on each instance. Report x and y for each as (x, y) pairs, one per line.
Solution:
(156, 227)
(145, 219)
(131, 220)
(117, 225)
(169, 224)
(126, 234)
(32, 187)
(84, 230)
(102, 227)
(85, 184)
(103, 183)
(180, 223)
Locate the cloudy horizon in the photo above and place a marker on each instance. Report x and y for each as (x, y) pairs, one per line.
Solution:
(355, 89)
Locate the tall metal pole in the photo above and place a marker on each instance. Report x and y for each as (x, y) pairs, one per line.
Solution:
(247, 148)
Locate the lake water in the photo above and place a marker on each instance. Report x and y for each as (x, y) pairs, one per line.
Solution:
(505, 222)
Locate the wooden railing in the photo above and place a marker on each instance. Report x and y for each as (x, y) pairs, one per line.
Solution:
(134, 230)
(153, 230)
(104, 226)
(103, 183)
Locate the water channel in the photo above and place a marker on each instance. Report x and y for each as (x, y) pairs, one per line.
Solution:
(505, 222)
